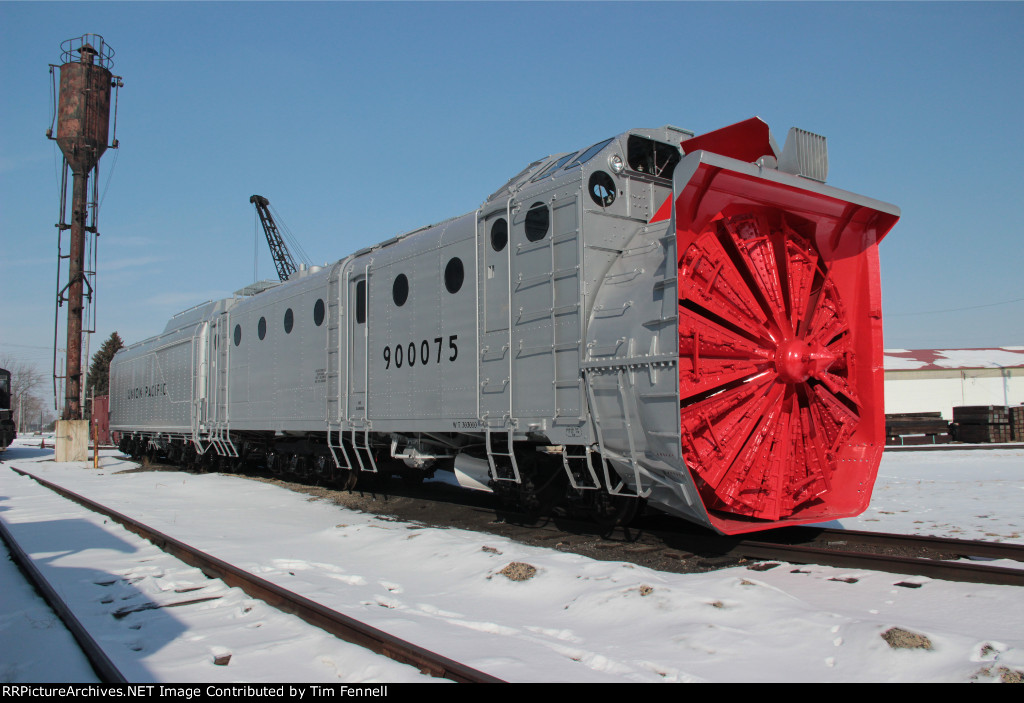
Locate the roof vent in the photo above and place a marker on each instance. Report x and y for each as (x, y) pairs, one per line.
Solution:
(805, 154)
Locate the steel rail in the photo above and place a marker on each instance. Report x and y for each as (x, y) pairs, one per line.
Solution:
(968, 572)
(101, 664)
(962, 547)
(786, 549)
(792, 545)
(339, 625)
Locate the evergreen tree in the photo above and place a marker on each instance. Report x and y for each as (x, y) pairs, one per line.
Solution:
(99, 371)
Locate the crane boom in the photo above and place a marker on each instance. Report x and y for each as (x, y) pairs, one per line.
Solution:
(282, 257)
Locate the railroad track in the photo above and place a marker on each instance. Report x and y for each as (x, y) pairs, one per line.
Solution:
(651, 540)
(931, 555)
(908, 555)
(796, 545)
(658, 546)
(337, 624)
(667, 544)
(105, 669)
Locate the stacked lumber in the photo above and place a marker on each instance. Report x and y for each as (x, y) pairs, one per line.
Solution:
(978, 424)
(1017, 423)
(916, 428)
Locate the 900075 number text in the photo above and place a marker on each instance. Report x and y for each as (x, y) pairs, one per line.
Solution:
(412, 353)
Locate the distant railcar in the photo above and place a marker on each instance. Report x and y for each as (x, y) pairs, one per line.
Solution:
(691, 323)
(8, 430)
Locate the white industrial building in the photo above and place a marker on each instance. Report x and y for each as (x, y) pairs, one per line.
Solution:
(930, 380)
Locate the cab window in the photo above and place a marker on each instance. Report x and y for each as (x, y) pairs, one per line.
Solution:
(648, 156)
(590, 153)
(553, 167)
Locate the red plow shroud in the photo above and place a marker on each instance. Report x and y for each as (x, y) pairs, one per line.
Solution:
(780, 345)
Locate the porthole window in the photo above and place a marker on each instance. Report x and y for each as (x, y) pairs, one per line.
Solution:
(602, 188)
(361, 302)
(538, 219)
(400, 290)
(318, 313)
(261, 328)
(238, 335)
(289, 321)
(454, 273)
(499, 234)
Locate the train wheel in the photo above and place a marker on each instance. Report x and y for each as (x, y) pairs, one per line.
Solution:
(302, 467)
(189, 457)
(541, 486)
(323, 465)
(207, 461)
(544, 482)
(609, 510)
(349, 479)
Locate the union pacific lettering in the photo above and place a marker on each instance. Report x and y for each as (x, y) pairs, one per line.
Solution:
(147, 391)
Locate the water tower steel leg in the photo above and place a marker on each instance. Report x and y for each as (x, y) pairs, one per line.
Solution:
(72, 393)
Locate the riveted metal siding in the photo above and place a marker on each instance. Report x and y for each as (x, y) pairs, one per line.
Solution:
(422, 374)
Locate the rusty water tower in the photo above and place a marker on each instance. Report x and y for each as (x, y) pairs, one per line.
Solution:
(83, 123)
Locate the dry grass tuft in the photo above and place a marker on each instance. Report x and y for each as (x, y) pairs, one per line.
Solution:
(898, 638)
(519, 571)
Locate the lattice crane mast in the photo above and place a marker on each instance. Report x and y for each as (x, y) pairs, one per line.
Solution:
(282, 257)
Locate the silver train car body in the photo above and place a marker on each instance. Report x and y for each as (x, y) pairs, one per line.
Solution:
(535, 337)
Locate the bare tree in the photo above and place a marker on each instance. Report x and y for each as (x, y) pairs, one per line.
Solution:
(26, 382)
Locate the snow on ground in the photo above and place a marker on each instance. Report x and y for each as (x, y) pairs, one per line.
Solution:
(966, 494)
(575, 619)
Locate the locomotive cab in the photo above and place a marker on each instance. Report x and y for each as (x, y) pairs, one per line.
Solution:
(744, 390)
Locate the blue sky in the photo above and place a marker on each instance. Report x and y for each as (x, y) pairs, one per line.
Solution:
(362, 120)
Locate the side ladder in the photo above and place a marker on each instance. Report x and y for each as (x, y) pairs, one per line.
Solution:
(361, 446)
(220, 434)
(579, 467)
(334, 409)
(505, 467)
(628, 413)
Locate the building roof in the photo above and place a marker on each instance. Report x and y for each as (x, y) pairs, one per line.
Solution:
(931, 359)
